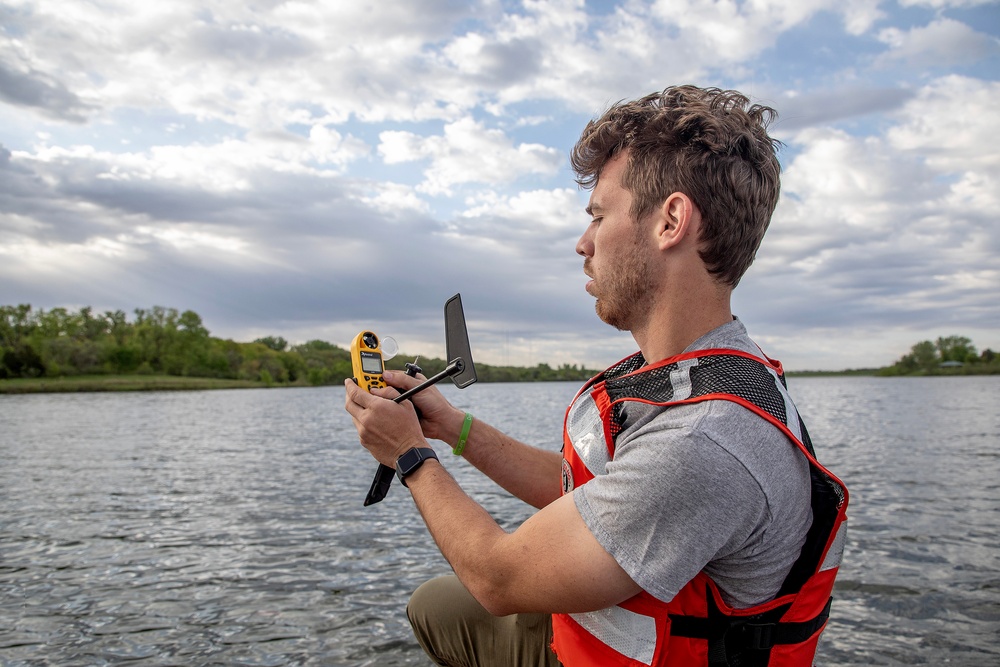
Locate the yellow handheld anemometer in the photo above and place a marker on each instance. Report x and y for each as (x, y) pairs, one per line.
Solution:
(366, 361)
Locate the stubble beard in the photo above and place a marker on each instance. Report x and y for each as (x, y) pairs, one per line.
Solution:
(624, 295)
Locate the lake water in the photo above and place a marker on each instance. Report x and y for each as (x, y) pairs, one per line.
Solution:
(227, 527)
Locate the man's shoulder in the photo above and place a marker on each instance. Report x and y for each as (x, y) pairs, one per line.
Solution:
(731, 336)
(710, 434)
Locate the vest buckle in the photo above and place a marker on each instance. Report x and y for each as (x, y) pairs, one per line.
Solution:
(762, 635)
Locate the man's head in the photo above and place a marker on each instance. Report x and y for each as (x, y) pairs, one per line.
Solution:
(710, 144)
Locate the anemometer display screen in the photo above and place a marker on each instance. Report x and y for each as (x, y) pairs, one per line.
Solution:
(371, 362)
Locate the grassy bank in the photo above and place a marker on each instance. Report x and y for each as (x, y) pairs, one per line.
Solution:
(119, 383)
(850, 371)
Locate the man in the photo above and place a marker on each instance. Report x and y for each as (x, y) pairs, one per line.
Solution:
(686, 521)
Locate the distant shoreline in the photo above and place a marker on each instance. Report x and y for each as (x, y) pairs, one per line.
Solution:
(112, 383)
(164, 349)
(889, 372)
(106, 383)
(850, 371)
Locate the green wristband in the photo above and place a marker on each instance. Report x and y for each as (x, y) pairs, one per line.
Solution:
(466, 427)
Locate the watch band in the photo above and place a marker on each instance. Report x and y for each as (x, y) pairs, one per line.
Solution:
(411, 459)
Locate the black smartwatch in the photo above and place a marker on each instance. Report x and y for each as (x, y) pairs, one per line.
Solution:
(411, 459)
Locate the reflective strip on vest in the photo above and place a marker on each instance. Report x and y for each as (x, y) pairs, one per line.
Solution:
(586, 431)
(680, 379)
(836, 552)
(791, 414)
(631, 634)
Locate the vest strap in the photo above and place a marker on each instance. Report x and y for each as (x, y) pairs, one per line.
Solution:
(731, 635)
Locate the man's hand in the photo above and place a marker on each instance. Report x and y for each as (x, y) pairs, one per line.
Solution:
(439, 419)
(386, 428)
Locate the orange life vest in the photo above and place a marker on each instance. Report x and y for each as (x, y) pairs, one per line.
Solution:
(696, 627)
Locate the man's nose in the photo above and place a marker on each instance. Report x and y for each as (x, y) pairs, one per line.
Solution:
(585, 246)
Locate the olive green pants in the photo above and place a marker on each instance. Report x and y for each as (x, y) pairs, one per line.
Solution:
(455, 630)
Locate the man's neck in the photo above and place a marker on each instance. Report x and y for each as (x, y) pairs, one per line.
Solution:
(680, 318)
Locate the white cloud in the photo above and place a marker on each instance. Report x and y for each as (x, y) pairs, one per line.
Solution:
(396, 147)
(532, 224)
(468, 152)
(858, 15)
(217, 167)
(395, 199)
(941, 43)
(733, 31)
(949, 122)
(942, 4)
(841, 188)
(557, 210)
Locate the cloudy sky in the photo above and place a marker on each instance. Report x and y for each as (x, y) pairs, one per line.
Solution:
(306, 169)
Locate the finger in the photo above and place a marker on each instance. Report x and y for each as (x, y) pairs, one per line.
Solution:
(349, 403)
(385, 392)
(355, 395)
(403, 381)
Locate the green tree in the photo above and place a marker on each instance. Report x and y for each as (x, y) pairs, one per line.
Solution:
(92, 328)
(956, 348)
(22, 361)
(276, 343)
(189, 348)
(156, 331)
(124, 358)
(71, 356)
(925, 355)
(16, 323)
(921, 358)
(323, 362)
(118, 326)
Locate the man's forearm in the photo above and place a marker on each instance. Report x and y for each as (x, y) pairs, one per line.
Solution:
(527, 472)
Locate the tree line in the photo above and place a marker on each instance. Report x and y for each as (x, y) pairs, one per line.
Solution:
(163, 341)
(948, 354)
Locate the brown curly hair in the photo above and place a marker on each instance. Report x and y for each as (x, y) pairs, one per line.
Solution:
(708, 143)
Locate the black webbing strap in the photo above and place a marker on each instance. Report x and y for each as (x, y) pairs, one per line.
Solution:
(736, 640)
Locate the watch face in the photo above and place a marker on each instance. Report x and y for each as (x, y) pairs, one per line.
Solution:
(412, 459)
(405, 462)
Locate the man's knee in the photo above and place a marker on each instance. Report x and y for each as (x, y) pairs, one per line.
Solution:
(443, 615)
(437, 601)
(454, 629)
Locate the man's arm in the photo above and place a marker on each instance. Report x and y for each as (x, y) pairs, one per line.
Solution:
(526, 472)
(551, 563)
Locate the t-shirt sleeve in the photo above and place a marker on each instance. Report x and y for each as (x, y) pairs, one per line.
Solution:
(672, 501)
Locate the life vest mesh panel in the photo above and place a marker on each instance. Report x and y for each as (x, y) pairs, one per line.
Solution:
(723, 373)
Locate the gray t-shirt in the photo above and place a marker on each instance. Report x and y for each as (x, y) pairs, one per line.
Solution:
(706, 486)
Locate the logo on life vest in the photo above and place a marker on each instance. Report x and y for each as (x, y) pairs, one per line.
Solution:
(567, 477)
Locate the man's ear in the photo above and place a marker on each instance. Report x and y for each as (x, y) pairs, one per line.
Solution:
(677, 218)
